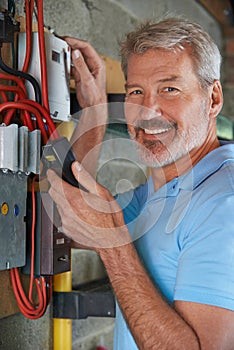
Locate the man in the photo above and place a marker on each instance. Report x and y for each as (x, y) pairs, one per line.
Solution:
(169, 253)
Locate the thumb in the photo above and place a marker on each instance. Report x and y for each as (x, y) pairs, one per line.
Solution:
(85, 179)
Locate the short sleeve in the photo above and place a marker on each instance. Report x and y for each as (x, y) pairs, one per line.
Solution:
(206, 263)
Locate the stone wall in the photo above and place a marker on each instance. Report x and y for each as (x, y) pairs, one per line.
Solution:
(228, 73)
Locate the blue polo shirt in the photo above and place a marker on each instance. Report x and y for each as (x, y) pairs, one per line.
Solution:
(184, 235)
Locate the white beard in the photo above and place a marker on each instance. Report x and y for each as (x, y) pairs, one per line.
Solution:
(183, 143)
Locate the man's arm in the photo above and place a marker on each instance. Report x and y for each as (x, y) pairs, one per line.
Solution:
(90, 79)
(95, 221)
(154, 324)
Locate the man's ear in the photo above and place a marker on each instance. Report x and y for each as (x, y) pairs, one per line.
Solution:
(216, 99)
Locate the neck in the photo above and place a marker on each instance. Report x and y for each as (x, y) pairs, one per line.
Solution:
(167, 173)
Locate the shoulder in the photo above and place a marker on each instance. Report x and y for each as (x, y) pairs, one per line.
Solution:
(216, 165)
(211, 201)
(213, 176)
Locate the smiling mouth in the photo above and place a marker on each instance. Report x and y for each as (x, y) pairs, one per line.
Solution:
(154, 126)
(155, 131)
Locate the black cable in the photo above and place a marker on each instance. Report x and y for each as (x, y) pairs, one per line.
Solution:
(11, 7)
(26, 76)
(232, 11)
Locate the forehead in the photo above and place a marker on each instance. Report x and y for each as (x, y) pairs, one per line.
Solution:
(161, 62)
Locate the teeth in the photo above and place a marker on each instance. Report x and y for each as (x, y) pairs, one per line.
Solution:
(155, 132)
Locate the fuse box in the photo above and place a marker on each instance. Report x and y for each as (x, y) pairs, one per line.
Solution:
(13, 191)
(20, 155)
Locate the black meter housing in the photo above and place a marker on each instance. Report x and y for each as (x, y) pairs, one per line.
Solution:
(58, 155)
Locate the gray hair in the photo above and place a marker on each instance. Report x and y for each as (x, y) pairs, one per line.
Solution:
(175, 34)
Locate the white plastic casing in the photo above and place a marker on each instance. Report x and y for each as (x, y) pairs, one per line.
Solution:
(58, 63)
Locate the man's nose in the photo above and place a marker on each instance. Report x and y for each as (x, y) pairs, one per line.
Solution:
(150, 107)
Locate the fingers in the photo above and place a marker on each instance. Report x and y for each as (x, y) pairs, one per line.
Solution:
(61, 192)
(89, 54)
(86, 180)
(54, 179)
(82, 176)
(57, 184)
(89, 73)
(86, 218)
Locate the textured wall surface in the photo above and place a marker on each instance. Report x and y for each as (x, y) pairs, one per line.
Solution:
(17, 333)
(104, 22)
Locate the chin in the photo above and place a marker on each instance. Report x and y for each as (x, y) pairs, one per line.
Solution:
(153, 160)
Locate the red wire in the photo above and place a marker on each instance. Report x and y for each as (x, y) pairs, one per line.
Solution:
(4, 96)
(15, 89)
(28, 310)
(29, 11)
(40, 291)
(44, 84)
(39, 112)
(20, 94)
(24, 106)
(53, 131)
(17, 80)
(27, 118)
(27, 305)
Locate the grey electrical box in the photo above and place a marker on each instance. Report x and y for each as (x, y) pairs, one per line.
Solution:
(19, 156)
(13, 193)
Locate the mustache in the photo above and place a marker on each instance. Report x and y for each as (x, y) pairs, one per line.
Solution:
(153, 123)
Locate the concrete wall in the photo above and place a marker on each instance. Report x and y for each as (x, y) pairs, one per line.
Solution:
(103, 23)
(20, 333)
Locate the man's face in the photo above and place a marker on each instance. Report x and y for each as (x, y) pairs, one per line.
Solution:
(166, 109)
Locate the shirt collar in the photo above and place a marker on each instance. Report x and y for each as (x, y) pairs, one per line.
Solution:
(207, 166)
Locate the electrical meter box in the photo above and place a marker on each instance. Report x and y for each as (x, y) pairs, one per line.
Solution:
(58, 65)
(13, 192)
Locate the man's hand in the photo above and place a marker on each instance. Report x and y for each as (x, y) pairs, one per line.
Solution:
(92, 219)
(89, 73)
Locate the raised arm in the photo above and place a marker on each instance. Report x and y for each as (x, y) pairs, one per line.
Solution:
(90, 79)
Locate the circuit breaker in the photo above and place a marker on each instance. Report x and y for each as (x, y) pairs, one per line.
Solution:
(58, 62)
(20, 155)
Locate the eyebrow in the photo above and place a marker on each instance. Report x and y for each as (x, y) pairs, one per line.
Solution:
(165, 80)
(172, 78)
(129, 86)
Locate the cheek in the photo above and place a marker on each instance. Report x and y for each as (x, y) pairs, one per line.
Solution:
(182, 114)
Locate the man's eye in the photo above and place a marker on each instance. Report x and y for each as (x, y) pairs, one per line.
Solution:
(134, 92)
(170, 89)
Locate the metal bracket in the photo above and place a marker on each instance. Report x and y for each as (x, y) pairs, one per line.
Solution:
(88, 301)
(20, 149)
